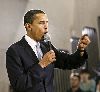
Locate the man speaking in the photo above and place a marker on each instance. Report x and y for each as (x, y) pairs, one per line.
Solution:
(31, 61)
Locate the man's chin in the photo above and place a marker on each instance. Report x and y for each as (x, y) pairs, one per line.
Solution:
(42, 38)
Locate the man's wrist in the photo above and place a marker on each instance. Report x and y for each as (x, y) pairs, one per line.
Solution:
(41, 64)
(81, 51)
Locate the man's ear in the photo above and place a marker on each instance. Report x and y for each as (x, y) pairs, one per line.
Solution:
(28, 26)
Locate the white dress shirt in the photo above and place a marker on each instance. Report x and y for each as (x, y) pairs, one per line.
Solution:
(32, 43)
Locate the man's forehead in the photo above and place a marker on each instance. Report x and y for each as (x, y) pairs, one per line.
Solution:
(41, 16)
(74, 77)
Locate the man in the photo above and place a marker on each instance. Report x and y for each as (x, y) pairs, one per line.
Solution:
(74, 83)
(28, 72)
(87, 83)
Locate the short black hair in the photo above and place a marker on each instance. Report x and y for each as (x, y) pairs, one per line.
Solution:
(30, 15)
(86, 71)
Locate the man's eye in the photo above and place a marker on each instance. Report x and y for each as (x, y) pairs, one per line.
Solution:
(41, 22)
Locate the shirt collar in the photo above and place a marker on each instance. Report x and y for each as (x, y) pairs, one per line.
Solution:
(30, 41)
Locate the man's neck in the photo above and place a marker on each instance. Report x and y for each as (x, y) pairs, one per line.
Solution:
(32, 37)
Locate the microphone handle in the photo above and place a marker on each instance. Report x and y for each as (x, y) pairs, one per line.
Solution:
(50, 46)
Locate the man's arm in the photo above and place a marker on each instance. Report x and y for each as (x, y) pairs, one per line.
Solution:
(70, 61)
(75, 60)
(19, 78)
(64, 60)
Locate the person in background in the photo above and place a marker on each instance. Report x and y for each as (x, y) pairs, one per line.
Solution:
(74, 83)
(87, 84)
(98, 87)
(30, 62)
(97, 83)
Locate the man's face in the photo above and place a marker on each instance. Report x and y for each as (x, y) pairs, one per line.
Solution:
(39, 27)
(74, 82)
(84, 77)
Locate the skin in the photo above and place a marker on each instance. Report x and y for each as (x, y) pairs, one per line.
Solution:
(75, 82)
(83, 42)
(38, 28)
(98, 86)
(85, 77)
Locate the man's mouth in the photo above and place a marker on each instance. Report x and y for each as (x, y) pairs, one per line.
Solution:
(44, 37)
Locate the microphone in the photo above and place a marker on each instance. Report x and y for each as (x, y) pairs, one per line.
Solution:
(47, 39)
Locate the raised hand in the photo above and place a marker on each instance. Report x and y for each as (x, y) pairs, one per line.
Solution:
(84, 41)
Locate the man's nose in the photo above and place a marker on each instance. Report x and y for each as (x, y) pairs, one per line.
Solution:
(46, 30)
(46, 26)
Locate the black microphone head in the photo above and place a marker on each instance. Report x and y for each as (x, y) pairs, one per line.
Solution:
(46, 37)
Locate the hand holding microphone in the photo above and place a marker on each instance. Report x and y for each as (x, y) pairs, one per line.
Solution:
(49, 57)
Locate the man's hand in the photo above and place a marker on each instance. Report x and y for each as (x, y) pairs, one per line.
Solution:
(48, 58)
(83, 43)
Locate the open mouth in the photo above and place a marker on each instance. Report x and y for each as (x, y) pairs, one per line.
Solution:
(45, 37)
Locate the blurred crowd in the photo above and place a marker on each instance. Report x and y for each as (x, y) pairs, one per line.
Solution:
(83, 82)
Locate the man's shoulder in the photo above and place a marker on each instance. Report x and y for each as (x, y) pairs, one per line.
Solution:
(16, 45)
